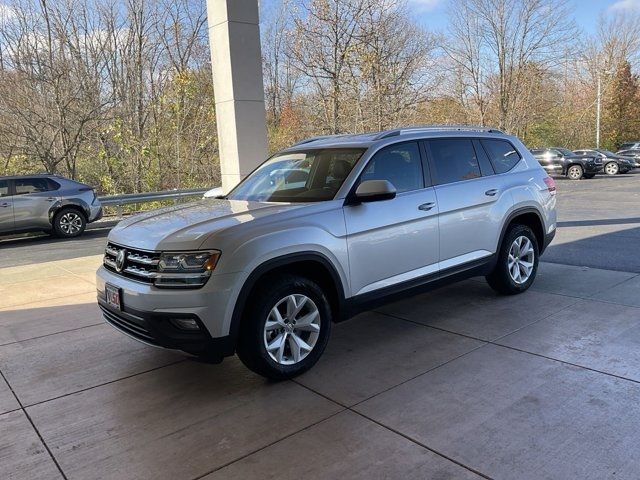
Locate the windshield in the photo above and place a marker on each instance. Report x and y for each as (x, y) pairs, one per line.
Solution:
(565, 151)
(307, 176)
(607, 153)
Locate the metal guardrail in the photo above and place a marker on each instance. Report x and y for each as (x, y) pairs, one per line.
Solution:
(118, 201)
(129, 198)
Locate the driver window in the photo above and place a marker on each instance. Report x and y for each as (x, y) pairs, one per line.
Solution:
(399, 164)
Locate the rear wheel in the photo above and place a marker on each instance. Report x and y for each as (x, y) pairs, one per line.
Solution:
(286, 329)
(575, 172)
(517, 262)
(69, 223)
(611, 168)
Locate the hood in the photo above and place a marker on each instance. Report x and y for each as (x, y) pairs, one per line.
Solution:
(185, 227)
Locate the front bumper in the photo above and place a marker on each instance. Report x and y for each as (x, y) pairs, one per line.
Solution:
(156, 329)
(147, 312)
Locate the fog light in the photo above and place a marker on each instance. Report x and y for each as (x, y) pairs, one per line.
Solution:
(185, 323)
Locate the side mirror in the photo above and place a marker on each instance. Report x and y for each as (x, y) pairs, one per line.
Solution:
(375, 190)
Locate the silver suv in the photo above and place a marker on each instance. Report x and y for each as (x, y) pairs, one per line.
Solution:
(47, 203)
(321, 231)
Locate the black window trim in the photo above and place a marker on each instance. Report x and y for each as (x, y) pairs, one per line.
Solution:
(10, 188)
(384, 147)
(486, 161)
(432, 161)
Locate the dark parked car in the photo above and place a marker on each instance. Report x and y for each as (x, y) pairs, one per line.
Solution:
(47, 203)
(632, 154)
(562, 161)
(630, 146)
(613, 164)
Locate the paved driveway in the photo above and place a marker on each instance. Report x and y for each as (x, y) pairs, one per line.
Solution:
(458, 383)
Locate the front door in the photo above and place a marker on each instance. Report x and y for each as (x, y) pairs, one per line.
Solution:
(393, 241)
(6, 208)
(32, 201)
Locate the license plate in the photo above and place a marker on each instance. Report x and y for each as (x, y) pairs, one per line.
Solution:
(113, 296)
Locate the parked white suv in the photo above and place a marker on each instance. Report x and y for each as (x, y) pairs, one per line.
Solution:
(321, 231)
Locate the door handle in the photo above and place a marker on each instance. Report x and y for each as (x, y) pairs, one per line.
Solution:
(51, 199)
(425, 207)
(492, 192)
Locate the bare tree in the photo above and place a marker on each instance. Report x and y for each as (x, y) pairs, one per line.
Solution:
(394, 65)
(324, 39)
(501, 39)
(51, 61)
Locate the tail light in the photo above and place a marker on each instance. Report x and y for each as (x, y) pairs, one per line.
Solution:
(551, 185)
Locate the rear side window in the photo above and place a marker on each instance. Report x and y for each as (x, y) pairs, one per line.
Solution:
(502, 154)
(32, 185)
(454, 160)
(4, 188)
(399, 164)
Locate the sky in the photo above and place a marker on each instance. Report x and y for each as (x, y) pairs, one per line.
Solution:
(432, 13)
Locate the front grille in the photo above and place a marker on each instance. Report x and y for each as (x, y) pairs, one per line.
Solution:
(129, 324)
(137, 264)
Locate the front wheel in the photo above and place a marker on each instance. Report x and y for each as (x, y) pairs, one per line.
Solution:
(285, 331)
(611, 168)
(517, 262)
(575, 172)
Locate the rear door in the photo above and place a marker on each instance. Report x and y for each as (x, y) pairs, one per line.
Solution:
(6, 207)
(32, 201)
(471, 198)
(394, 241)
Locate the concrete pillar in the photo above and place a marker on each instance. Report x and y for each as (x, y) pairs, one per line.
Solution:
(234, 36)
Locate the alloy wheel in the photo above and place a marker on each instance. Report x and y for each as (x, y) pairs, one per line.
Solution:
(70, 223)
(611, 168)
(575, 173)
(521, 260)
(292, 329)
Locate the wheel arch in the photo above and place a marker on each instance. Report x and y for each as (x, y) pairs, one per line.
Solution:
(530, 217)
(78, 204)
(313, 265)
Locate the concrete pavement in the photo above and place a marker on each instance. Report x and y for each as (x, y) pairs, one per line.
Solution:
(456, 383)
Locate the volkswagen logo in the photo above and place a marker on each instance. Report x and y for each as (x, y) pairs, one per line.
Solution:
(120, 258)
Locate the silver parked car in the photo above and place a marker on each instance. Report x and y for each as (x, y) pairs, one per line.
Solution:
(48, 203)
(361, 219)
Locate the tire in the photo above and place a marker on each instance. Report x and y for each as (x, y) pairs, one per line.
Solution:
(501, 279)
(588, 175)
(272, 293)
(575, 172)
(69, 223)
(611, 168)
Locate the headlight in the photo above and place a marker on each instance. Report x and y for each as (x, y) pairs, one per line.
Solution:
(185, 269)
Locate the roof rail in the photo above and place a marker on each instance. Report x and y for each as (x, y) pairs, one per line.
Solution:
(321, 137)
(426, 128)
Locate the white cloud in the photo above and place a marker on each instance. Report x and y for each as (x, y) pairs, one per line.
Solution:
(622, 5)
(424, 5)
